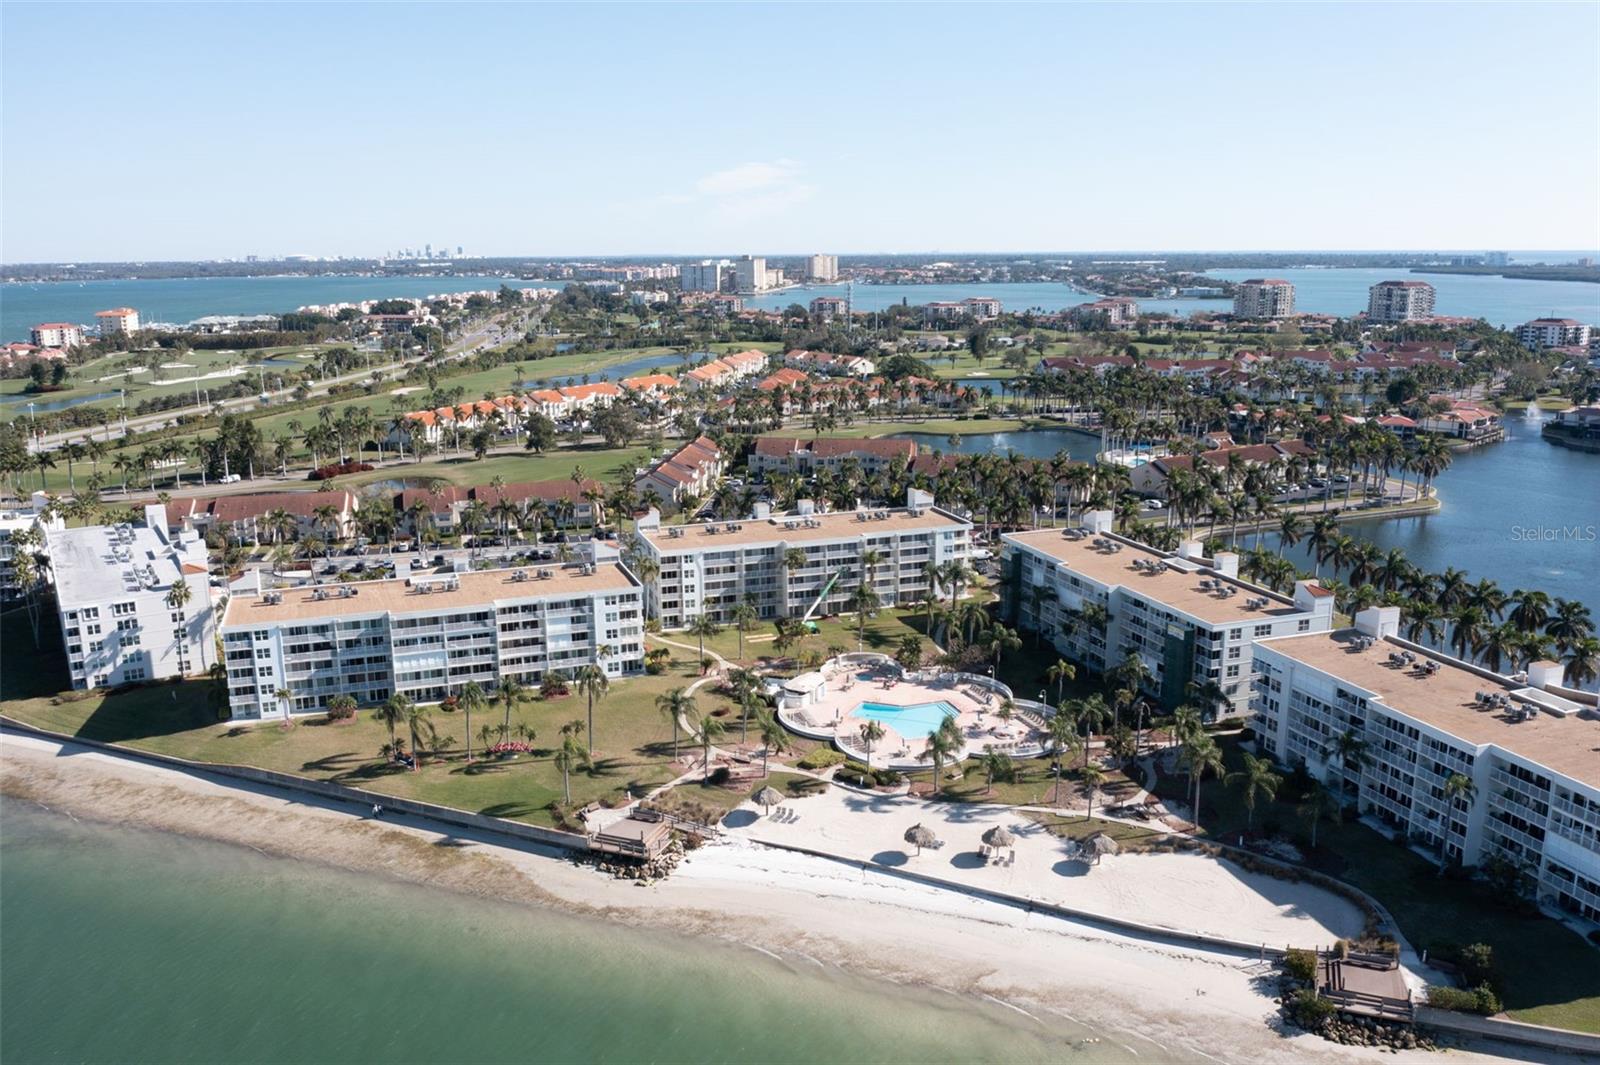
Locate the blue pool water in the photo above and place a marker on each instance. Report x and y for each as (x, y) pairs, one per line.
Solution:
(912, 722)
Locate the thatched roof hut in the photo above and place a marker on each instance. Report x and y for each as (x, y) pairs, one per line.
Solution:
(919, 836)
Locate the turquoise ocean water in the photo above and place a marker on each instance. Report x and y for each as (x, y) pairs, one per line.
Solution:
(122, 945)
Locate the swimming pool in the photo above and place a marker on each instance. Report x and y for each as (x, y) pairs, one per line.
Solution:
(913, 722)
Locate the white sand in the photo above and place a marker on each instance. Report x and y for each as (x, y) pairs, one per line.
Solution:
(1188, 892)
(1164, 1003)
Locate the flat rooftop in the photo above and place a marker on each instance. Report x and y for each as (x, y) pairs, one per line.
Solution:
(103, 562)
(1176, 588)
(795, 528)
(1569, 745)
(399, 596)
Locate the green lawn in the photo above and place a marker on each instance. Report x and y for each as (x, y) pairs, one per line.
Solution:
(1080, 827)
(604, 464)
(632, 744)
(1549, 974)
(884, 632)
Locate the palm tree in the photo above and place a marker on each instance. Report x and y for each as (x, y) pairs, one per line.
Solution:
(472, 698)
(1318, 804)
(594, 684)
(675, 705)
(864, 601)
(1093, 713)
(999, 640)
(1063, 729)
(871, 732)
(1059, 673)
(745, 616)
(996, 764)
(1092, 777)
(1459, 791)
(1200, 756)
(419, 722)
(392, 712)
(710, 729)
(941, 745)
(571, 755)
(1256, 779)
(510, 693)
(773, 737)
(702, 626)
(1583, 662)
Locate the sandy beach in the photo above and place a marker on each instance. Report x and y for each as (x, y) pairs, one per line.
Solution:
(1156, 1000)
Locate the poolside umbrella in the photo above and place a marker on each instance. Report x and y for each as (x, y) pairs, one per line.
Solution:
(1099, 845)
(920, 837)
(998, 837)
(769, 797)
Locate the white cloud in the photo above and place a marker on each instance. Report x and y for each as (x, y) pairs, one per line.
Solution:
(748, 177)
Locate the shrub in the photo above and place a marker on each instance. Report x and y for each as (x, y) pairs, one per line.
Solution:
(1477, 964)
(1308, 1009)
(322, 473)
(821, 758)
(1480, 999)
(1301, 965)
(719, 776)
(1341, 947)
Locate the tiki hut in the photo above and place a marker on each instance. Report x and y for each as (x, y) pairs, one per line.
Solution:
(919, 837)
(996, 838)
(769, 797)
(1099, 845)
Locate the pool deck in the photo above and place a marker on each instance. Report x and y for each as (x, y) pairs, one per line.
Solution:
(848, 685)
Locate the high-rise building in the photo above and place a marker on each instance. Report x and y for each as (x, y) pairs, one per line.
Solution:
(1399, 301)
(1264, 298)
(1548, 333)
(114, 591)
(57, 335)
(1470, 765)
(822, 268)
(750, 274)
(426, 637)
(1496, 258)
(119, 321)
(708, 275)
(712, 567)
(1190, 620)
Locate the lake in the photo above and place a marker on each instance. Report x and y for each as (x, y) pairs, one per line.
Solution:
(1496, 499)
(180, 300)
(127, 945)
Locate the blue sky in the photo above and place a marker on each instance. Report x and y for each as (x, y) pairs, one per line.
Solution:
(162, 132)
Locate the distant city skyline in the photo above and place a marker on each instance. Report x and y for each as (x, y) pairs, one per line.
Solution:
(565, 131)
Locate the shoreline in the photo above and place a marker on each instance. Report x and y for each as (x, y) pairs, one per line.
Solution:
(739, 892)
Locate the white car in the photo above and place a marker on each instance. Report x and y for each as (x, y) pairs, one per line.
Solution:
(229, 478)
(1152, 504)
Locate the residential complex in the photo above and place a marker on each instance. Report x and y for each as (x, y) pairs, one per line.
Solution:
(787, 454)
(750, 274)
(1421, 719)
(1191, 620)
(56, 335)
(120, 321)
(1542, 333)
(119, 619)
(288, 652)
(692, 470)
(974, 309)
(1399, 301)
(822, 268)
(1112, 312)
(1264, 298)
(830, 307)
(712, 567)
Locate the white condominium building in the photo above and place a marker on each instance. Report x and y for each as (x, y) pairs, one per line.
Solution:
(119, 321)
(426, 637)
(1544, 333)
(113, 586)
(1530, 749)
(822, 267)
(1189, 622)
(712, 567)
(706, 276)
(750, 274)
(35, 517)
(57, 335)
(1264, 298)
(1399, 301)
